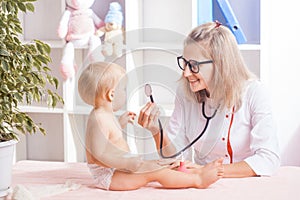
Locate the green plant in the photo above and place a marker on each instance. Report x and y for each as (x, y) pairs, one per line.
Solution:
(24, 72)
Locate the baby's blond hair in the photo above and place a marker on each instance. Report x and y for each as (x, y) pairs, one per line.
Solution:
(97, 79)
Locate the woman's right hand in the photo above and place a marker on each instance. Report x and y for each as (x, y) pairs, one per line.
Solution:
(148, 117)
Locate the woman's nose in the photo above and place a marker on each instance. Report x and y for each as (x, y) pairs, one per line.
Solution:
(187, 72)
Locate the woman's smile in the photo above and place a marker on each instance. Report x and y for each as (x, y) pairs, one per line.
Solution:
(194, 82)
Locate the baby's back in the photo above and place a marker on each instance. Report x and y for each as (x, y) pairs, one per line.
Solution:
(103, 136)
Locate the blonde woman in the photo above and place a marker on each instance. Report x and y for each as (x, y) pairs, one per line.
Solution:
(216, 83)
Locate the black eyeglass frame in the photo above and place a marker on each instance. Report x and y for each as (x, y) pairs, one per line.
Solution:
(196, 63)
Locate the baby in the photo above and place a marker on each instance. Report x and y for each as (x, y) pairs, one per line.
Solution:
(103, 85)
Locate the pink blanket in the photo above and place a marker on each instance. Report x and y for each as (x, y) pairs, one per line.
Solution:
(285, 184)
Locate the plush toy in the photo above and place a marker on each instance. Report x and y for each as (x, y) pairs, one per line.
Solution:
(112, 31)
(77, 26)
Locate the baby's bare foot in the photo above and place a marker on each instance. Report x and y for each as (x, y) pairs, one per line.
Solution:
(210, 173)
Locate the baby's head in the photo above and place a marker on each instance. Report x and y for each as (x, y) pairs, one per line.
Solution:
(98, 82)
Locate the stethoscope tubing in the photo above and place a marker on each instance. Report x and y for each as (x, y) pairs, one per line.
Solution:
(148, 92)
(193, 142)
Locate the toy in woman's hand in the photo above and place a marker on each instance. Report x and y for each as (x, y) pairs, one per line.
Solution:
(113, 33)
(77, 26)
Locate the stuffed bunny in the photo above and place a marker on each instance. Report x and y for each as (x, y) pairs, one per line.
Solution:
(77, 26)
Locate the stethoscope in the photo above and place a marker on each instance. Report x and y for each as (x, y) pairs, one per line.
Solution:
(148, 92)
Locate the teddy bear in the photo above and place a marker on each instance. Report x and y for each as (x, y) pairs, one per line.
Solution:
(77, 26)
(112, 31)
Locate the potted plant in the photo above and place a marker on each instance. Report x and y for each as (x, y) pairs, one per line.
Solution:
(24, 79)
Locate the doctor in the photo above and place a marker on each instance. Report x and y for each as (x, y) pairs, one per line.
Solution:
(242, 131)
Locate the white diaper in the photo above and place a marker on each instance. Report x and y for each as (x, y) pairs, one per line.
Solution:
(102, 175)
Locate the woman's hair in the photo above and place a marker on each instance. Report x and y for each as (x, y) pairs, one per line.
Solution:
(97, 79)
(229, 74)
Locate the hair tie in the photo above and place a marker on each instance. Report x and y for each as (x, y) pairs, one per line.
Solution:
(217, 24)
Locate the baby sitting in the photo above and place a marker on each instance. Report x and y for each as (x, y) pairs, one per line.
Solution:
(103, 85)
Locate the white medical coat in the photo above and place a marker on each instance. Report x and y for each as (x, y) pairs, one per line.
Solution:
(250, 132)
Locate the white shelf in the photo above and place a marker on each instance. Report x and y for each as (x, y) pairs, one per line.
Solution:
(56, 44)
(40, 109)
(157, 45)
(59, 44)
(80, 110)
(250, 47)
(179, 46)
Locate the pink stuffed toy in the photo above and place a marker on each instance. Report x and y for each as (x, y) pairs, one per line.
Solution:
(77, 26)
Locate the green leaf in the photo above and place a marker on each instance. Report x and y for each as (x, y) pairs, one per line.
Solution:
(49, 100)
(18, 97)
(20, 118)
(43, 59)
(19, 29)
(43, 131)
(4, 65)
(17, 40)
(30, 7)
(47, 49)
(29, 127)
(29, 58)
(29, 98)
(46, 69)
(22, 6)
(56, 83)
(8, 7)
(3, 52)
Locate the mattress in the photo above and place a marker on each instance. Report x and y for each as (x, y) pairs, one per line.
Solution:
(43, 174)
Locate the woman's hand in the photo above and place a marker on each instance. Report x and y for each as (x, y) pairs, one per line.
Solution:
(188, 164)
(125, 118)
(148, 117)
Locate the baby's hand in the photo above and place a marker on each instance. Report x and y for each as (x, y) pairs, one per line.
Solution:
(127, 117)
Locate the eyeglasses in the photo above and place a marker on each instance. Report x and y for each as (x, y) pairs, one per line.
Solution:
(193, 64)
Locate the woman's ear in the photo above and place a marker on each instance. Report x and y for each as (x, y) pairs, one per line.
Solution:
(110, 95)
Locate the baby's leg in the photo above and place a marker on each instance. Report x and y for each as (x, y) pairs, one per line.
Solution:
(169, 178)
(201, 178)
(127, 181)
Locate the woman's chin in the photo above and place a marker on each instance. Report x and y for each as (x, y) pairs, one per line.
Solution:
(196, 88)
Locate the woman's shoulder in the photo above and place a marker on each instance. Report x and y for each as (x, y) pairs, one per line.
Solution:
(256, 92)
(255, 87)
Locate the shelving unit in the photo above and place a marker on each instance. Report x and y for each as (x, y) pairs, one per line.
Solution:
(155, 31)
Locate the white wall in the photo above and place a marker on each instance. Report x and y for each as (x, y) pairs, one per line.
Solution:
(284, 75)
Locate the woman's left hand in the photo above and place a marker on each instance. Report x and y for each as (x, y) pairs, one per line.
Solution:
(125, 118)
(188, 164)
(191, 165)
